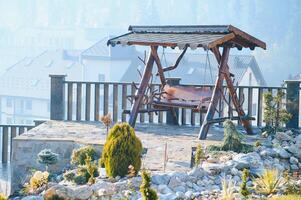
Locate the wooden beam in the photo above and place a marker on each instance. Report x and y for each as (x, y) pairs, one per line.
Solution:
(142, 87)
(158, 63)
(233, 94)
(216, 92)
(221, 41)
(247, 37)
(177, 61)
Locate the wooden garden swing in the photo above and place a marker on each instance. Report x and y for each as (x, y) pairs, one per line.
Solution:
(198, 99)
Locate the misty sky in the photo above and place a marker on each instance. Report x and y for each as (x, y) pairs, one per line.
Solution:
(277, 22)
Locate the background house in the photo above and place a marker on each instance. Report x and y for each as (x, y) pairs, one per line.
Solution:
(25, 86)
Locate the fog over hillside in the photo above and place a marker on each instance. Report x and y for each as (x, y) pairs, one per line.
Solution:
(29, 27)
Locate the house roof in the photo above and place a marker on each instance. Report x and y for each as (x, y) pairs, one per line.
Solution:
(195, 68)
(206, 36)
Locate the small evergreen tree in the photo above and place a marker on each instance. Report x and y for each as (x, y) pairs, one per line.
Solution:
(243, 187)
(199, 155)
(91, 169)
(122, 149)
(147, 192)
(47, 157)
(274, 113)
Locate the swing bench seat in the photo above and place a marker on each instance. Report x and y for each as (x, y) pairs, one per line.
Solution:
(190, 97)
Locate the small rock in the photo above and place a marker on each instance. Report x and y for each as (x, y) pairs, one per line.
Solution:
(82, 192)
(283, 136)
(282, 153)
(170, 196)
(174, 182)
(180, 195)
(234, 171)
(247, 160)
(32, 197)
(212, 160)
(268, 152)
(294, 160)
(294, 167)
(180, 188)
(164, 189)
(189, 194)
(197, 172)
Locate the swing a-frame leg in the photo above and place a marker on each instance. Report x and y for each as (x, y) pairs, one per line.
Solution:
(147, 73)
(222, 74)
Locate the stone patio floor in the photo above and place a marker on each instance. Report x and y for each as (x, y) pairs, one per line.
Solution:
(177, 139)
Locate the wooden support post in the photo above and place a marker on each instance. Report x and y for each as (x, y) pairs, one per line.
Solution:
(172, 116)
(292, 102)
(57, 97)
(158, 63)
(216, 92)
(224, 71)
(141, 90)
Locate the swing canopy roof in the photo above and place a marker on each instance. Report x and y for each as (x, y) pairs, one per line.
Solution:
(205, 36)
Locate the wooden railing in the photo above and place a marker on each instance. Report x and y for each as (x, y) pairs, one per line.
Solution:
(86, 101)
(8, 132)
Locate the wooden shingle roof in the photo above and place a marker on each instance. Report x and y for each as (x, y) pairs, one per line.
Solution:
(205, 36)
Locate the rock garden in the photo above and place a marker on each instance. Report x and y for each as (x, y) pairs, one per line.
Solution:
(234, 169)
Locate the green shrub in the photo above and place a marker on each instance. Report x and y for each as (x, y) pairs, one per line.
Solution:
(274, 113)
(199, 155)
(243, 187)
(2, 197)
(257, 143)
(80, 179)
(79, 155)
(91, 169)
(233, 140)
(122, 149)
(69, 175)
(47, 157)
(147, 192)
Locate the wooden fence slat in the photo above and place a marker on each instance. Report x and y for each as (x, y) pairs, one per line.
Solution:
(88, 102)
(124, 101)
(4, 144)
(96, 99)
(259, 107)
(13, 134)
(192, 117)
(115, 102)
(105, 99)
(250, 101)
(78, 101)
(21, 130)
(70, 101)
(183, 116)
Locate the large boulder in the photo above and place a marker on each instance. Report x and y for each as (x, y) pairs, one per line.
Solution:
(76, 193)
(282, 153)
(160, 179)
(246, 160)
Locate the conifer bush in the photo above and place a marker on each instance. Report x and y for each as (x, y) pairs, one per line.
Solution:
(79, 156)
(47, 157)
(147, 192)
(233, 140)
(122, 149)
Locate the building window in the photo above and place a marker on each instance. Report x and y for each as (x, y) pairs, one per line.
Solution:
(9, 102)
(28, 105)
(101, 77)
